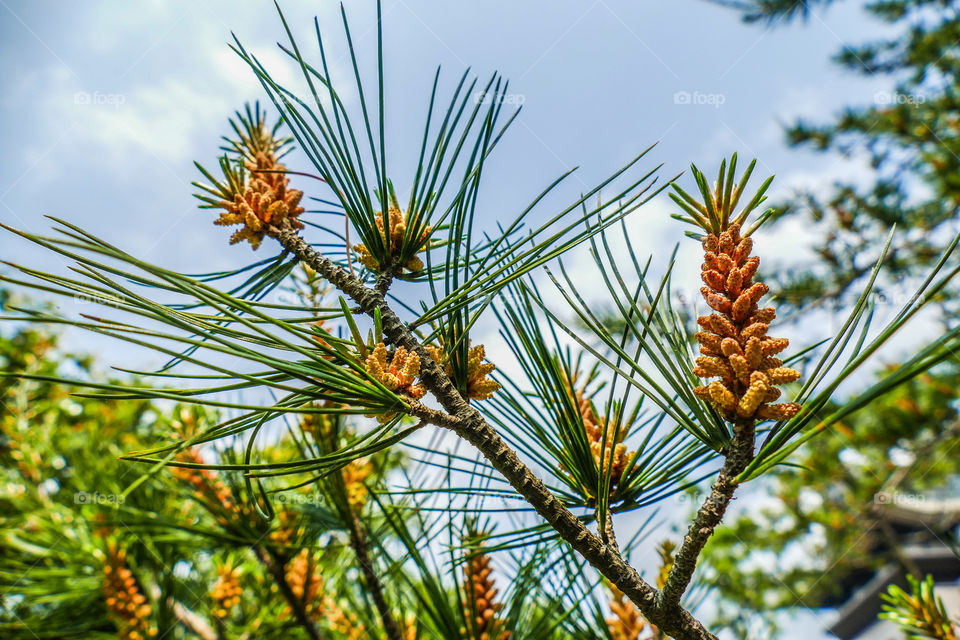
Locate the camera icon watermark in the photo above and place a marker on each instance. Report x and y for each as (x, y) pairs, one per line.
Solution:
(699, 98)
(298, 499)
(889, 98)
(82, 298)
(85, 497)
(897, 498)
(696, 497)
(485, 97)
(99, 99)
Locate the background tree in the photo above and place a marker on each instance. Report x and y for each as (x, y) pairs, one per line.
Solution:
(909, 137)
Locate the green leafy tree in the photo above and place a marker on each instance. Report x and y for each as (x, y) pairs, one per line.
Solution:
(382, 350)
(186, 555)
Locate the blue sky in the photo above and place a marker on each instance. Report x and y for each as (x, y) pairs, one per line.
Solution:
(105, 107)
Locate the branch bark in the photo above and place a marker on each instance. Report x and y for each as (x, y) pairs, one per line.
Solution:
(358, 542)
(470, 425)
(607, 534)
(271, 562)
(188, 618)
(709, 515)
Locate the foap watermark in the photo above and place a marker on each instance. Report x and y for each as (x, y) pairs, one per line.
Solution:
(889, 98)
(86, 497)
(298, 498)
(699, 98)
(897, 498)
(486, 97)
(99, 99)
(290, 298)
(82, 298)
(696, 497)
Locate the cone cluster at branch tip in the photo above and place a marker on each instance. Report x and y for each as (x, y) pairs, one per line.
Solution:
(319, 426)
(288, 528)
(397, 371)
(354, 474)
(398, 228)
(734, 344)
(205, 482)
(597, 429)
(260, 200)
(479, 386)
(481, 604)
(226, 590)
(306, 582)
(126, 605)
(346, 624)
(211, 491)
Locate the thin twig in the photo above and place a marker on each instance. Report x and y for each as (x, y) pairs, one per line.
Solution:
(358, 542)
(275, 567)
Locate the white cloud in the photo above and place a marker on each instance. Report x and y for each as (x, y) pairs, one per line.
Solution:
(161, 118)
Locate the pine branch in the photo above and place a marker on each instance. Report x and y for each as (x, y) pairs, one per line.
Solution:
(188, 618)
(709, 515)
(470, 425)
(270, 561)
(358, 542)
(607, 534)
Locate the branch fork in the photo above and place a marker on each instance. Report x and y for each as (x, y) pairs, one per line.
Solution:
(468, 423)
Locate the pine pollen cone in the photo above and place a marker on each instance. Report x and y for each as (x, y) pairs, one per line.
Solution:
(734, 344)
(481, 599)
(397, 372)
(398, 229)
(306, 583)
(346, 624)
(597, 429)
(126, 604)
(479, 386)
(205, 483)
(626, 623)
(354, 474)
(226, 590)
(288, 528)
(266, 202)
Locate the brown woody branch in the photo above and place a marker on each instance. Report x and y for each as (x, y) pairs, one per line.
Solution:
(738, 456)
(275, 567)
(470, 425)
(185, 616)
(605, 528)
(358, 542)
